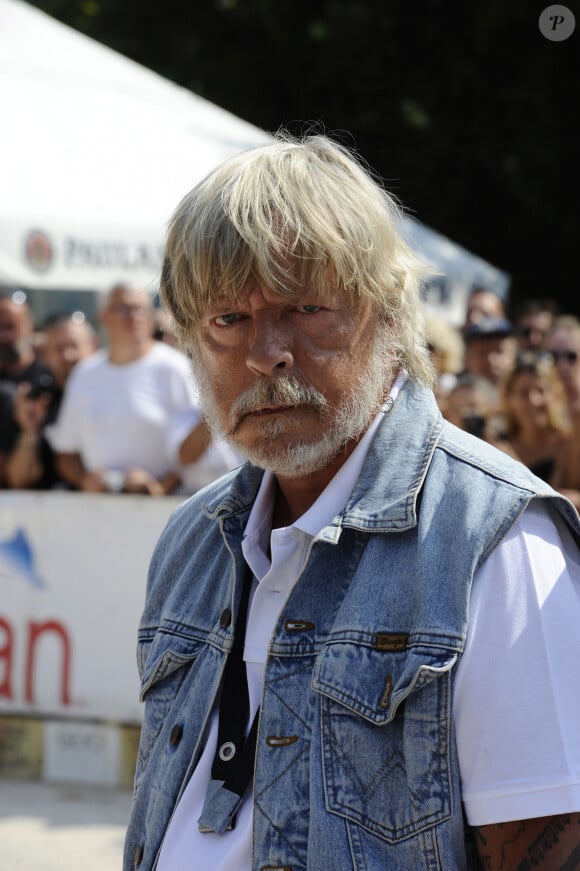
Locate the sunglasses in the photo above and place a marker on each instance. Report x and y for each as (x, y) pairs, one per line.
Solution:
(570, 356)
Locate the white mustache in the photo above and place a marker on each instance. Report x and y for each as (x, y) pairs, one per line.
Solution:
(273, 392)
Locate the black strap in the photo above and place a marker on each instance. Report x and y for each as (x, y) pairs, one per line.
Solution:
(234, 757)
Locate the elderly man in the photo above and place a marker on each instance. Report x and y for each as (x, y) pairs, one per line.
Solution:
(362, 646)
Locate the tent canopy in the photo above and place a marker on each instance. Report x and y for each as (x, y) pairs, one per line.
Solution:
(96, 153)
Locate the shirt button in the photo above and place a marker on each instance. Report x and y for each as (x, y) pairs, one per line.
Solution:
(138, 855)
(226, 618)
(176, 734)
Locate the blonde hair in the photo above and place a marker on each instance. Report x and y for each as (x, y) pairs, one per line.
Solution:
(543, 368)
(445, 340)
(567, 322)
(295, 214)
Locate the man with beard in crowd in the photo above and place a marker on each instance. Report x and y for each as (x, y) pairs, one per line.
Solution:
(345, 658)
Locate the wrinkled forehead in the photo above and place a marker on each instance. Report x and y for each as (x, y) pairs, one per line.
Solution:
(293, 293)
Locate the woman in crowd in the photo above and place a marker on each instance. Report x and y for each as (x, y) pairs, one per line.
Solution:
(534, 409)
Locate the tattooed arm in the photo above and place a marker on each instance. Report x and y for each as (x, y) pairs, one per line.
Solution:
(543, 844)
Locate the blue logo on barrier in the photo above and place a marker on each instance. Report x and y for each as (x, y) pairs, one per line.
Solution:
(18, 553)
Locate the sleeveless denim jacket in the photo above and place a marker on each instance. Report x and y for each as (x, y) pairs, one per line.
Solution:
(356, 767)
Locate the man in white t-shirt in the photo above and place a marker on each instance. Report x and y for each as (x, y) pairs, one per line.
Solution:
(359, 651)
(120, 405)
(201, 458)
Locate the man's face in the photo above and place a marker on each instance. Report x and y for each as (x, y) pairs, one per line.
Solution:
(15, 328)
(466, 402)
(533, 328)
(481, 305)
(530, 398)
(291, 382)
(564, 345)
(64, 346)
(128, 315)
(491, 357)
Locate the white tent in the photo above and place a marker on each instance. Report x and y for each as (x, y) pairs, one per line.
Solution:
(96, 151)
(456, 272)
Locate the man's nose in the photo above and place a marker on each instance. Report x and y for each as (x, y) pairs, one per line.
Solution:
(270, 348)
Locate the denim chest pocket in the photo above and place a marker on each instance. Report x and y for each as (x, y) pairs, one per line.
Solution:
(164, 663)
(385, 718)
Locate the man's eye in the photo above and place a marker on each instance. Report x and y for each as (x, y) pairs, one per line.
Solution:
(226, 320)
(309, 309)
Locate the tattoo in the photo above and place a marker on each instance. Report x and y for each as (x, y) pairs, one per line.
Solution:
(480, 842)
(572, 863)
(550, 843)
(546, 840)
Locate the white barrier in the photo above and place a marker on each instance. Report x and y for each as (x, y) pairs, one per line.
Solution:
(73, 570)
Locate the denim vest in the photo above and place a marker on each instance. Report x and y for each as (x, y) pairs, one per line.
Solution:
(356, 765)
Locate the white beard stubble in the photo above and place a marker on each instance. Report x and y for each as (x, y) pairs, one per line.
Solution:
(351, 418)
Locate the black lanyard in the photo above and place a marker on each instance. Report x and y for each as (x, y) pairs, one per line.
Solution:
(233, 764)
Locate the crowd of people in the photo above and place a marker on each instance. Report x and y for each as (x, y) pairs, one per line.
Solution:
(513, 379)
(130, 421)
(113, 409)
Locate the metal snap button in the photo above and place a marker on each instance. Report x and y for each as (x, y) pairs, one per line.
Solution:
(227, 751)
(138, 855)
(225, 618)
(176, 734)
(298, 626)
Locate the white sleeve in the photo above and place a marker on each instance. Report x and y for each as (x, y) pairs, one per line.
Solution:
(517, 695)
(187, 391)
(64, 435)
(180, 425)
